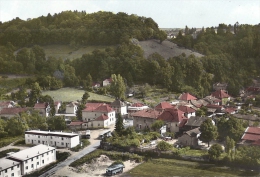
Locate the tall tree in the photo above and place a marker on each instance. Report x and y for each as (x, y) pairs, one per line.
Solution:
(34, 94)
(119, 127)
(117, 86)
(208, 131)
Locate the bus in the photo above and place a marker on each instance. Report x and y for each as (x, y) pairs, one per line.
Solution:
(114, 169)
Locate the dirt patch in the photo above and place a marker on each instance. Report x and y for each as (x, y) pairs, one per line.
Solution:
(166, 49)
(97, 167)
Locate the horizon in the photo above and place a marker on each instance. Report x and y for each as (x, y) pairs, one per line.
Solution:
(166, 13)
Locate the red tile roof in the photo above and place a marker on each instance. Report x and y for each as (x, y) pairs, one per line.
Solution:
(183, 122)
(148, 113)
(76, 123)
(230, 110)
(187, 97)
(102, 117)
(186, 109)
(137, 105)
(172, 115)
(12, 111)
(5, 103)
(252, 134)
(220, 94)
(98, 107)
(163, 106)
(40, 105)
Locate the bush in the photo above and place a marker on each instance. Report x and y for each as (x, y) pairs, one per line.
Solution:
(3, 153)
(8, 140)
(163, 146)
(85, 143)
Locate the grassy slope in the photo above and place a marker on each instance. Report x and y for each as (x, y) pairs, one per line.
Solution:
(171, 167)
(68, 52)
(71, 94)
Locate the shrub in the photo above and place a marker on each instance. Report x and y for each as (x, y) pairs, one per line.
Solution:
(163, 146)
(85, 143)
(3, 153)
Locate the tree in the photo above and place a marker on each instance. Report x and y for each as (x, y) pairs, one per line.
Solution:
(215, 151)
(157, 125)
(85, 98)
(16, 126)
(82, 105)
(117, 86)
(48, 99)
(144, 89)
(34, 94)
(230, 144)
(208, 131)
(119, 127)
(56, 123)
(202, 111)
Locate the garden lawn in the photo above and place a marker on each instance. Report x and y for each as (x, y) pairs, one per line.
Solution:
(71, 94)
(172, 167)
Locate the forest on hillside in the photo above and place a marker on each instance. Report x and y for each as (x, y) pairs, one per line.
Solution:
(230, 58)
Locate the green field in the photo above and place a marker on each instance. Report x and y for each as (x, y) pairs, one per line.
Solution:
(71, 94)
(172, 167)
(68, 52)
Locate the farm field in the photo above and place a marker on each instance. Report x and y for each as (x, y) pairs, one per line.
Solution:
(72, 94)
(172, 167)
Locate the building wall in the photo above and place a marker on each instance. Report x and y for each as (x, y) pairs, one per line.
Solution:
(123, 110)
(13, 170)
(141, 123)
(39, 161)
(42, 112)
(190, 114)
(71, 110)
(173, 126)
(57, 141)
(88, 116)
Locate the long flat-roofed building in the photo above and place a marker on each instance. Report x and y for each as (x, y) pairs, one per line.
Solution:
(27, 160)
(57, 139)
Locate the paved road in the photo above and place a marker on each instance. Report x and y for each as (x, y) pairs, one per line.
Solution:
(71, 159)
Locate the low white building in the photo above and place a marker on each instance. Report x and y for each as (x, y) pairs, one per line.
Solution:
(26, 161)
(57, 139)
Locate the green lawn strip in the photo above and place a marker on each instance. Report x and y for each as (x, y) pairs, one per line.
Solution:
(60, 156)
(11, 83)
(8, 140)
(71, 94)
(172, 167)
(3, 153)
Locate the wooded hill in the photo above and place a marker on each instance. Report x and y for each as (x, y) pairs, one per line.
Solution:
(230, 58)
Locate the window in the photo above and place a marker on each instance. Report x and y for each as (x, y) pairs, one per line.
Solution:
(62, 143)
(38, 136)
(42, 161)
(51, 137)
(52, 151)
(61, 138)
(12, 174)
(26, 167)
(32, 159)
(47, 153)
(37, 157)
(26, 161)
(98, 124)
(144, 121)
(18, 166)
(12, 168)
(39, 141)
(6, 170)
(28, 140)
(32, 165)
(28, 135)
(42, 155)
(37, 163)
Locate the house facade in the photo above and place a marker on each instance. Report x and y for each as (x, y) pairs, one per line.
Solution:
(119, 107)
(187, 97)
(107, 82)
(27, 160)
(190, 138)
(12, 112)
(251, 136)
(173, 119)
(145, 118)
(188, 112)
(42, 108)
(56, 139)
(72, 107)
(221, 95)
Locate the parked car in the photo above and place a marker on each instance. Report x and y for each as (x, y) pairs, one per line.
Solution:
(114, 169)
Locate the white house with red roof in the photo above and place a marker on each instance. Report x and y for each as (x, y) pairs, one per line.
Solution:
(251, 136)
(187, 97)
(221, 95)
(188, 111)
(12, 112)
(119, 107)
(173, 118)
(145, 118)
(98, 115)
(42, 108)
(6, 104)
(107, 82)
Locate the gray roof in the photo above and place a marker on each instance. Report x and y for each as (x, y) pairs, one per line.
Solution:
(195, 121)
(193, 132)
(247, 117)
(31, 152)
(118, 103)
(7, 163)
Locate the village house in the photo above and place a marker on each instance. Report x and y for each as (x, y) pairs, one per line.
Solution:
(42, 108)
(190, 138)
(107, 82)
(72, 108)
(27, 160)
(57, 105)
(188, 112)
(187, 97)
(193, 122)
(136, 107)
(56, 139)
(162, 106)
(145, 118)
(173, 118)
(6, 104)
(75, 125)
(251, 136)
(95, 85)
(221, 95)
(212, 100)
(12, 112)
(220, 86)
(95, 113)
(120, 107)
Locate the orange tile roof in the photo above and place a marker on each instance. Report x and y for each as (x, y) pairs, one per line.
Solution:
(102, 117)
(148, 113)
(186, 109)
(12, 111)
(172, 115)
(187, 97)
(40, 105)
(220, 94)
(163, 105)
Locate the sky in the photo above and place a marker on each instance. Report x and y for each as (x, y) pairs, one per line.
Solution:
(166, 13)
